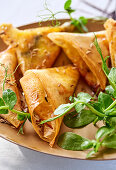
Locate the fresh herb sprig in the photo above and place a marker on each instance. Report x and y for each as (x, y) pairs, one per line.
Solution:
(79, 23)
(86, 110)
(105, 137)
(8, 101)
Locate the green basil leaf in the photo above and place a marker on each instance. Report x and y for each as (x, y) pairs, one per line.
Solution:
(71, 141)
(110, 142)
(67, 4)
(3, 111)
(62, 108)
(112, 75)
(105, 100)
(104, 131)
(74, 120)
(9, 98)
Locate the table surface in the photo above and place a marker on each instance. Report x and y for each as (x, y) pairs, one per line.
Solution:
(12, 156)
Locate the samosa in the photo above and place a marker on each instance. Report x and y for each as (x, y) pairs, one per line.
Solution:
(34, 49)
(82, 52)
(110, 26)
(45, 90)
(62, 60)
(9, 60)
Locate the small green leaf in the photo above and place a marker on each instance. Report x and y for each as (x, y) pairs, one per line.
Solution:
(74, 120)
(109, 90)
(83, 21)
(71, 141)
(29, 117)
(60, 111)
(21, 117)
(79, 106)
(97, 106)
(87, 145)
(112, 75)
(21, 127)
(84, 97)
(112, 121)
(110, 142)
(89, 155)
(105, 100)
(104, 131)
(67, 4)
(62, 108)
(3, 111)
(104, 65)
(9, 98)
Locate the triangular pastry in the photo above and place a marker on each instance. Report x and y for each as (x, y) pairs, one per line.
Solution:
(34, 49)
(81, 51)
(45, 90)
(9, 59)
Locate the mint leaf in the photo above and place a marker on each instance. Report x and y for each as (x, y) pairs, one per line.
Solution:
(74, 120)
(72, 141)
(9, 98)
(3, 111)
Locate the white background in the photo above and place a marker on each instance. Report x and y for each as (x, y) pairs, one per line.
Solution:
(13, 157)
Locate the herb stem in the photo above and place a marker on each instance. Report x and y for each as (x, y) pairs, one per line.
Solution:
(19, 112)
(94, 110)
(72, 105)
(95, 121)
(110, 106)
(4, 107)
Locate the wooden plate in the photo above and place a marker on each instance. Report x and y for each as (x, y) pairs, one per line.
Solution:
(32, 141)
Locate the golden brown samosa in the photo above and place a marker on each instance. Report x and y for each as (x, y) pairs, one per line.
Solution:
(81, 51)
(62, 60)
(9, 60)
(34, 48)
(110, 26)
(45, 90)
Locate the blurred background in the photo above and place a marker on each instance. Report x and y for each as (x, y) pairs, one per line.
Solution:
(19, 12)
